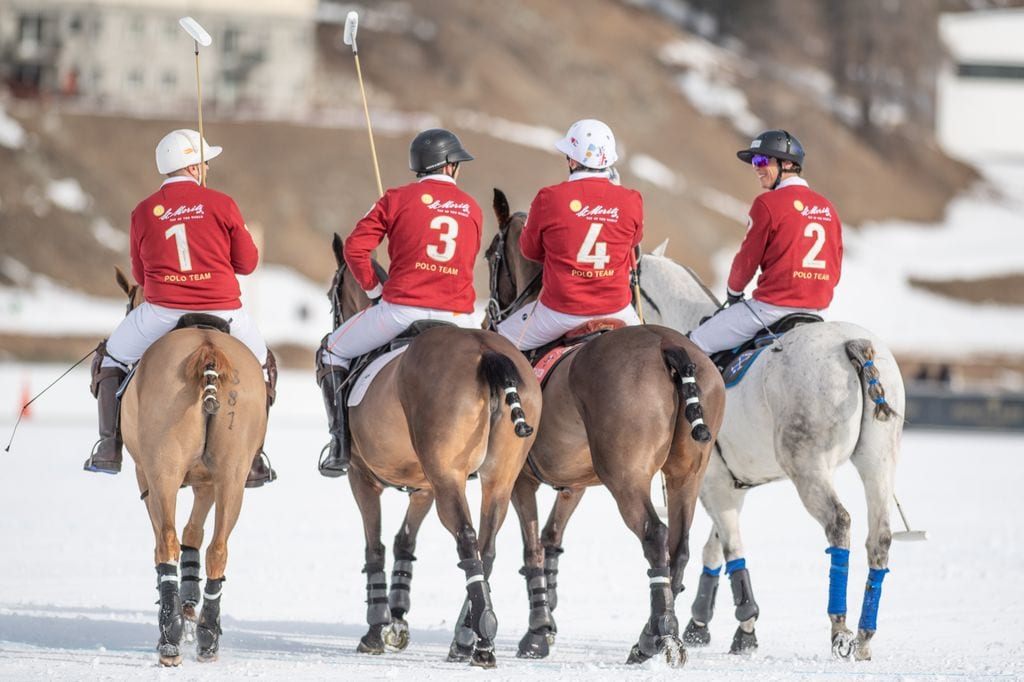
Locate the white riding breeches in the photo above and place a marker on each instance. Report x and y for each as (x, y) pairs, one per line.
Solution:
(730, 327)
(148, 322)
(535, 324)
(374, 326)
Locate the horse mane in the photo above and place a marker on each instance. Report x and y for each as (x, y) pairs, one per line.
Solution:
(682, 298)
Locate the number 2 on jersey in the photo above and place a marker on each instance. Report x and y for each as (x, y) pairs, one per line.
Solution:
(181, 241)
(593, 251)
(811, 259)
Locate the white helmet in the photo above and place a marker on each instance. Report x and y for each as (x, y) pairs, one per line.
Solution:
(180, 148)
(589, 142)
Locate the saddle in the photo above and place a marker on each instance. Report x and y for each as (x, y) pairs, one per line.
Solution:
(203, 321)
(734, 363)
(545, 358)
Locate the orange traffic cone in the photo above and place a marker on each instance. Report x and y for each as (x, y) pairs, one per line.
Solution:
(24, 410)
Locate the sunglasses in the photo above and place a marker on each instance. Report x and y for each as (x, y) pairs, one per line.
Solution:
(760, 160)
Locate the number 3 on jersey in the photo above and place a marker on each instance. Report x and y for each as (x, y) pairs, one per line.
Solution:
(593, 251)
(446, 251)
(181, 241)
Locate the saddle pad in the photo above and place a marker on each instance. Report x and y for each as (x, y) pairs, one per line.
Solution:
(363, 381)
(736, 370)
(546, 363)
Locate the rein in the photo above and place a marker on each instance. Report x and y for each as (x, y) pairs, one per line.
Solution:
(496, 257)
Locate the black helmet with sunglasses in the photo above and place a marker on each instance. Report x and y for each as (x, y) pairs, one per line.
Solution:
(777, 144)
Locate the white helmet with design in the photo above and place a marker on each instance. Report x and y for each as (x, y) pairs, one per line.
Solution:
(589, 142)
(180, 148)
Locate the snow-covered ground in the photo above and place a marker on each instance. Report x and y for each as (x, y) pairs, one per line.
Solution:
(77, 581)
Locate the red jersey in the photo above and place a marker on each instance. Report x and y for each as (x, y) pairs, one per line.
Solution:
(583, 231)
(187, 244)
(795, 237)
(433, 230)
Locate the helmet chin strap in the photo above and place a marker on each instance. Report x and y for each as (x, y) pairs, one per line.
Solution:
(778, 176)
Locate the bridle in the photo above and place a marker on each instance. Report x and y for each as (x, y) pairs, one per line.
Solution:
(498, 266)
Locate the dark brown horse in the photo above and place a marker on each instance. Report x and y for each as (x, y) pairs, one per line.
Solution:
(432, 417)
(625, 406)
(194, 412)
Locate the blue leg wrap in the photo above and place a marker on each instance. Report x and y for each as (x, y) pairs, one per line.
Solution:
(838, 574)
(872, 595)
(713, 572)
(735, 565)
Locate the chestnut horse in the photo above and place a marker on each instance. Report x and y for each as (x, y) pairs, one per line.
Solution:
(433, 416)
(625, 406)
(194, 412)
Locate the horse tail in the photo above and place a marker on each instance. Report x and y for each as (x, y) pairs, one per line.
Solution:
(686, 383)
(862, 354)
(207, 364)
(501, 375)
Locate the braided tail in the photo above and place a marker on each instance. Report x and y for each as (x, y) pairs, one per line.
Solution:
(208, 364)
(862, 354)
(686, 383)
(501, 375)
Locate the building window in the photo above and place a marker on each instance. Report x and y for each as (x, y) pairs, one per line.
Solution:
(75, 24)
(135, 79)
(30, 28)
(137, 27)
(169, 80)
(231, 36)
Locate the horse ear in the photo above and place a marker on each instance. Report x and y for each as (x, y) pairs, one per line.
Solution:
(338, 245)
(659, 250)
(501, 210)
(122, 280)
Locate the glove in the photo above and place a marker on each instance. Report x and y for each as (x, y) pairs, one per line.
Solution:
(732, 299)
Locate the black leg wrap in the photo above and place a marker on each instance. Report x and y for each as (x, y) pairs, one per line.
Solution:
(482, 618)
(170, 619)
(551, 555)
(377, 612)
(208, 630)
(399, 598)
(743, 595)
(190, 592)
(464, 639)
(536, 642)
(701, 612)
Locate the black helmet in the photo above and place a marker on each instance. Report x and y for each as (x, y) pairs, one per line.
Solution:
(777, 144)
(433, 148)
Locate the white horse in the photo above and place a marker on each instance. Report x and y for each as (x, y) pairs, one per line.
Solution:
(824, 393)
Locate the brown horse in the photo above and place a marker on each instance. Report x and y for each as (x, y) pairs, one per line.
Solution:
(432, 417)
(618, 410)
(194, 412)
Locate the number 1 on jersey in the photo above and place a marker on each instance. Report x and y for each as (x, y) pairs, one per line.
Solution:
(593, 251)
(181, 241)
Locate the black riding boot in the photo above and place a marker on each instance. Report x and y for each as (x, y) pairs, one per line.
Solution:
(260, 472)
(334, 458)
(106, 454)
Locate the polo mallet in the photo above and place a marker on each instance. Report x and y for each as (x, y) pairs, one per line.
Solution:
(199, 37)
(351, 26)
(907, 535)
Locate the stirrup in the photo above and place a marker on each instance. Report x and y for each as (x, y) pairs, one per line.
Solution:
(260, 474)
(332, 468)
(102, 466)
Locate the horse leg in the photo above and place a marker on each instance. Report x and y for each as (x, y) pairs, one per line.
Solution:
(703, 609)
(819, 498)
(367, 493)
(723, 502)
(683, 492)
(541, 633)
(229, 489)
(420, 502)
(161, 505)
(477, 611)
(877, 476)
(192, 540)
(551, 537)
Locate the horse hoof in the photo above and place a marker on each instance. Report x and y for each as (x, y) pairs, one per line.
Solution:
(397, 636)
(170, 655)
(458, 653)
(743, 642)
(842, 644)
(636, 656)
(483, 658)
(672, 648)
(696, 635)
(206, 657)
(535, 644)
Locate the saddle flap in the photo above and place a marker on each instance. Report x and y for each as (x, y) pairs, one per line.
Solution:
(598, 324)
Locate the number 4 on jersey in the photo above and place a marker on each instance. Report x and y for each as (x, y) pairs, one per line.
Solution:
(593, 251)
